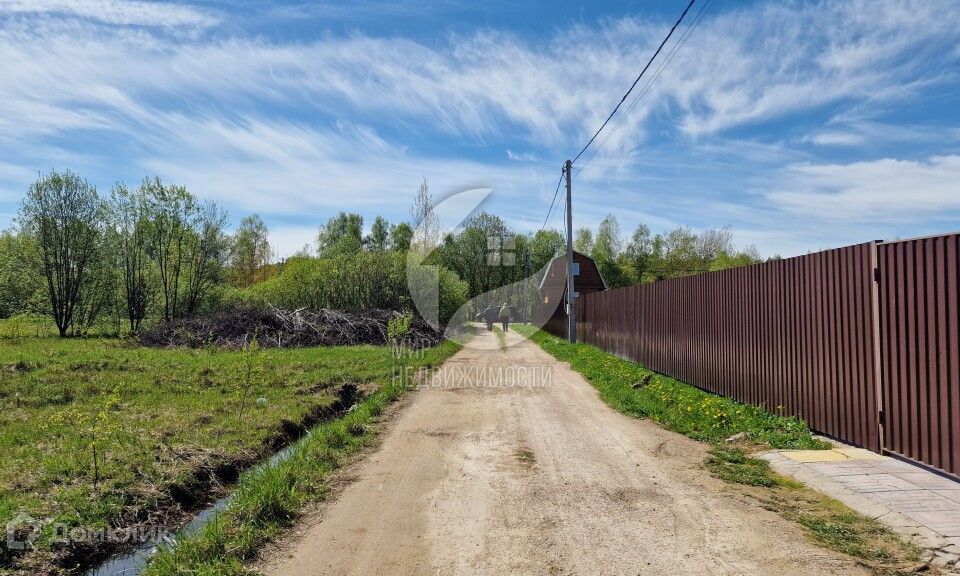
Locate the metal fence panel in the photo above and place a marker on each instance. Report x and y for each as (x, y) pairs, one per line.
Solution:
(920, 345)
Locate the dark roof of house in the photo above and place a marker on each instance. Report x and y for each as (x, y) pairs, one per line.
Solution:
(589, 279)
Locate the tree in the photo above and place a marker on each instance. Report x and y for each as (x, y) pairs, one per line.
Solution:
(583, 240)
(249, 252)
(425, 223)
(637, 254)
(65, 215)
(401, 235)
(544, 247)
(131, 222)
(609, 241)
(206, 252)
(379, 235)
(172, 208)
(22, 287)
(342, 234)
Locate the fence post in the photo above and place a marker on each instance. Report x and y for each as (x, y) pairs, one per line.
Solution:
(877, 349)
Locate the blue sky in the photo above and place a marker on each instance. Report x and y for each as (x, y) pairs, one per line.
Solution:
(802, 125)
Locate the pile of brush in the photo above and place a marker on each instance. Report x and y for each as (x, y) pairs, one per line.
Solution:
(277, 328)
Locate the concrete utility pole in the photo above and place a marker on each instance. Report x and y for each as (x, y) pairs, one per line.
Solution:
(526, 286)
(571, 295)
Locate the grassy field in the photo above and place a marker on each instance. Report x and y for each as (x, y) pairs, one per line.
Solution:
(99, 432)
(637, 391)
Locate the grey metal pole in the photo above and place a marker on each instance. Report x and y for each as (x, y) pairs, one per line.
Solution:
(571, 296)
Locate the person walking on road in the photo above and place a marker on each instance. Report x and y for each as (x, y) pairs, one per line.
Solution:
(489, 315)
(505, 316)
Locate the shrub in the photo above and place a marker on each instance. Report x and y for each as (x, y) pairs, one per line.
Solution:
(349, 282)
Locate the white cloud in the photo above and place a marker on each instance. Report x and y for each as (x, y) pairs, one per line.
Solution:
(116, 12)
(885, 190)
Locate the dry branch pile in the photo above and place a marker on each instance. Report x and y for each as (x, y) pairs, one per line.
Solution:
(274, 327)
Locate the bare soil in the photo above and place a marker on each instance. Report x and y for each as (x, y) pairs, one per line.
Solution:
(538, 476)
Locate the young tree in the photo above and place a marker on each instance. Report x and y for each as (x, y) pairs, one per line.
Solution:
(426, 225)
(379, 235)
(250, 251)
(583, 240)
(206, 251)
(65, 215)
(131, 222)
(606, 252)
(638, 252)
(172, 208)
(609, 241)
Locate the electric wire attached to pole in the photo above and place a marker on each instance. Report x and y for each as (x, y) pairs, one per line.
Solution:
(570, 303)
(634, 85)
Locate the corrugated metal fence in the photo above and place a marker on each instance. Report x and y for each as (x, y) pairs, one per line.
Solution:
(920, 348)
(811, 336)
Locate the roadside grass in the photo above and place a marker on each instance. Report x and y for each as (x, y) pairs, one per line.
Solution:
(100, 433)
(269, 499)
(637, 391)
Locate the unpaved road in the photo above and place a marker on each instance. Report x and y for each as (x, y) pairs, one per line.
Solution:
(546, 479)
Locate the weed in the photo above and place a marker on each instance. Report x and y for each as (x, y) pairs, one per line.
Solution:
(733, 465)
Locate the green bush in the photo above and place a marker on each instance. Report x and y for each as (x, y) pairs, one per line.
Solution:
(349, 282)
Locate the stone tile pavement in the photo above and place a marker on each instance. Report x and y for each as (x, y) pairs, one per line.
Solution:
(917, 503)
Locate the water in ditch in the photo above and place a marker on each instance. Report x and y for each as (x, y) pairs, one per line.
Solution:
(133, 561)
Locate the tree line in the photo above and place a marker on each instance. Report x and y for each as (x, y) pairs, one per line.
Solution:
(158, 251)
(155, 248)
(646, 257)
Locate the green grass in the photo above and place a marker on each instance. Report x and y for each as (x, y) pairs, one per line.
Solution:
(635, 390)
(268, 500)
(160, 417)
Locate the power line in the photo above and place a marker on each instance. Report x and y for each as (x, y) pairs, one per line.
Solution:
(632, 86)
(552, 202)
(646, 88)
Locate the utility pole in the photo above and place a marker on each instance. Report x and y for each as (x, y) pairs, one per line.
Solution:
(571, 296)
(526, 286)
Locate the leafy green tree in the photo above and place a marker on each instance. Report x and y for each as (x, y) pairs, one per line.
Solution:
(637, 255)
(544, 247)
(22, 287)
(130, 212)
(342, 234)
(172, 209)
(583, 240)
(63, 212)
(401, 235)
(207, 248)
(379, 235)
(249, 251)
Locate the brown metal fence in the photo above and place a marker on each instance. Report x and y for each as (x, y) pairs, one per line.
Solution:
(920, 343)
(823, 336)
(792, 335)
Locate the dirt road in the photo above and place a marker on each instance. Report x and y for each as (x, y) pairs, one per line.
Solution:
(538, 478)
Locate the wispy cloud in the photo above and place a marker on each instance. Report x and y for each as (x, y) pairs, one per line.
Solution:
(116, 12)
(879, 191)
